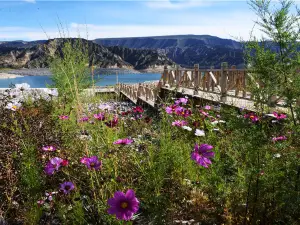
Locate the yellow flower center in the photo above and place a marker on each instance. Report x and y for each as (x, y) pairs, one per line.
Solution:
(124, 205)
(14, 107)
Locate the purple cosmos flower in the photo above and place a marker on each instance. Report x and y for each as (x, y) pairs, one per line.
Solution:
(280, 138)
(54, 164)
(49, 148)
(93, 163)
(63, 117)
(124, 141)
(123, 205)
(202, 153)
(179, 123)
(100, 116)
(67, 187)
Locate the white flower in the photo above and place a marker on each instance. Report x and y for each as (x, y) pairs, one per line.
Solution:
(52, 92)
(271, 115)
(22, 87)
(277, 155)
(199, 133)
(13, 106)
(187, 128)
(217, 121)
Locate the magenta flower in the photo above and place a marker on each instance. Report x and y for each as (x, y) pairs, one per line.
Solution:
(113, 122)
(84, 160)
(138, 109)
(252, 116)
(187, 113)
(179, 110)
(67, 187)
(179, 123)
(182, 101)
(100, 116)
(280, 138)
(202, 153)
(124, 141)
(279, 116)
(84, 119)
(123, 205)
(63, 117)
(171, 109)
(49, 148)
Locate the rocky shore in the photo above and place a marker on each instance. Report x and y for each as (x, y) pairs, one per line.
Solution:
(5, 75)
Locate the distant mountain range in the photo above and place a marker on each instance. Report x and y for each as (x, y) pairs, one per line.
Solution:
(140, 53)
(186, 50)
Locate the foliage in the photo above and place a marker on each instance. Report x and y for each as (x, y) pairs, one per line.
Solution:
(274, 59)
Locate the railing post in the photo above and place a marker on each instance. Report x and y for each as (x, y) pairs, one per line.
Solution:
(165, 75)
(211, 84)
(139, 90)
(196, 79)
(224, 70)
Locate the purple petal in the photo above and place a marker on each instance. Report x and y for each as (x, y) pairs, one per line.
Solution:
(130, 194)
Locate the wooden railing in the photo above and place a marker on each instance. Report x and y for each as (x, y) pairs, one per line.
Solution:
(223, 81)
(145, 91)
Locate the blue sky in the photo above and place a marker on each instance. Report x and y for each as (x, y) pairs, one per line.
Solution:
(39, 19)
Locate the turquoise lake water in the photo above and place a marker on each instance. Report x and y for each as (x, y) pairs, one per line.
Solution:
(42, 81)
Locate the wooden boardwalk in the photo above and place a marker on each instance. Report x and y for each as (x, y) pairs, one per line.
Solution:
(225, 86)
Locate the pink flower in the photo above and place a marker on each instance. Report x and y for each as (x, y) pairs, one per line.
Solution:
(204, 113)
(63, 117)
(207, 107)
(84, 119)
(171, 109)
(182, 101)
(100, 116)
(179, 123)
(280, 138)
(124, 141)
(49, 148)
(138, 109)
(279, 116)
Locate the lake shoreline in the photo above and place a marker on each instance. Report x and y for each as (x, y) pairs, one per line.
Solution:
(14, 73)
(9, 75)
